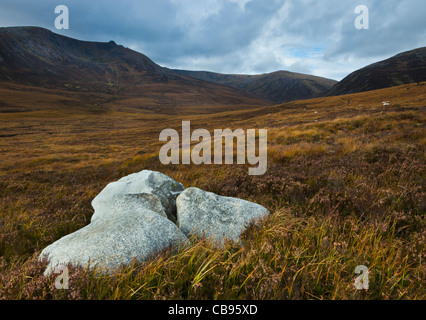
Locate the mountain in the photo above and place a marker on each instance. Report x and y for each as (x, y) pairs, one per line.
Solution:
(38, 56)
(404, 68)
(276, 87)
(35, 56)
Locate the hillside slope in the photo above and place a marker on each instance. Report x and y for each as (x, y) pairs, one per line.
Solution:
(404, 68)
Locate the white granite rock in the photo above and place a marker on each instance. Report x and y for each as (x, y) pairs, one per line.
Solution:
(145, 213)
(148, 182)
(215, 217)
(136, 233)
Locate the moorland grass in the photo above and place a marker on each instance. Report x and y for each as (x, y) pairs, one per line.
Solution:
(345, 190)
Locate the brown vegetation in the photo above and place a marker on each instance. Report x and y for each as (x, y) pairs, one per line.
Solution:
(345, 185)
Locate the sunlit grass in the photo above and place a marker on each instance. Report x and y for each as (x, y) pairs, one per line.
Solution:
(345, 190)
(282, 258)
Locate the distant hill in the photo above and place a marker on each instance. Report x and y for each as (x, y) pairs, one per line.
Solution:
(404, 68)
(35, 56)
(276, 87)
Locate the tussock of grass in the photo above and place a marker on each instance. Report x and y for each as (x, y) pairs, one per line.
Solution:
(284, 257)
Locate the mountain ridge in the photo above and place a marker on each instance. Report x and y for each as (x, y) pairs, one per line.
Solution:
(31, 43)
(277, 87)
(38, 56)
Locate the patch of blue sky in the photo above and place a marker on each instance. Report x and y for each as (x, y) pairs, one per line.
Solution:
(314, 52)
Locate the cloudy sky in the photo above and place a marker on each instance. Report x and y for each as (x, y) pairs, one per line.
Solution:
(239, 36)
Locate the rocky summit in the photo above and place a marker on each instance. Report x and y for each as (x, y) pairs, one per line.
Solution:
(145, 213)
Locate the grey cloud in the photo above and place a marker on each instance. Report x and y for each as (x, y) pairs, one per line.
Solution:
(395, 26)
(253, 36)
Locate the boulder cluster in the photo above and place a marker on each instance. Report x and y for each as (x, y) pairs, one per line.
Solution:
(144, 213)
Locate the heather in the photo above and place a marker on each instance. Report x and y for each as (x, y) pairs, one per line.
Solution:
(345, 186)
